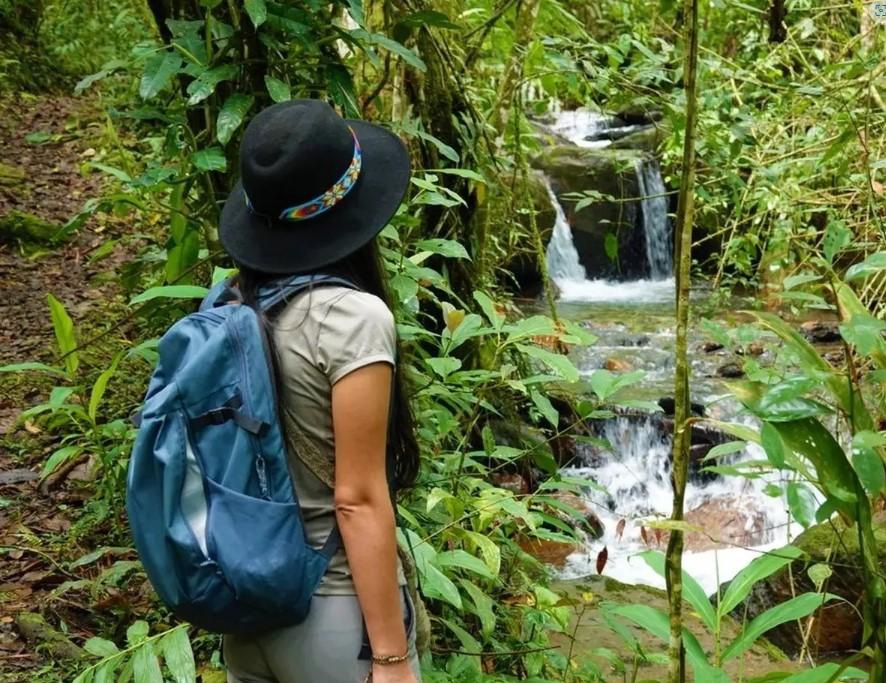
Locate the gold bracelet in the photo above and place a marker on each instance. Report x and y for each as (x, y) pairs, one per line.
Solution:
(389, 659)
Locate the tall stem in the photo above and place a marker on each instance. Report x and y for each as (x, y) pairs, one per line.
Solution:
(683, 259)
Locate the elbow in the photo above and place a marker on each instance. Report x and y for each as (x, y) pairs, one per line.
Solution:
(351, 502)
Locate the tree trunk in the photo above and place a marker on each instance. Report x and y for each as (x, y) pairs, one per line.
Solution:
(527, 13)
(683, 259)
(778, 31)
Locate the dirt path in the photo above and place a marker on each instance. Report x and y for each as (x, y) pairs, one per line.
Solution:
(43, 143)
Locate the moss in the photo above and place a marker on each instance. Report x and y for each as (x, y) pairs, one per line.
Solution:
(20, 225)
(11, 175)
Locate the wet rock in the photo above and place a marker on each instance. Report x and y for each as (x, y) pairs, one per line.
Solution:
(756, 349)
(730, 370)
(612, 173)
(547, 136)
(647, 139)
(668, 404)
(640, 113)
(552, 553)
(590, 523)
(836, 358)
(617, 365)
(512, 482)
(837, 626)
(821, 332)
(710, 347)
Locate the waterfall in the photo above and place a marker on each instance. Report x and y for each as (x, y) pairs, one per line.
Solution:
(656, 225)
(562, 256)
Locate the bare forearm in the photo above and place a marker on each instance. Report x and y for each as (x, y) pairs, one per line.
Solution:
(368, 530)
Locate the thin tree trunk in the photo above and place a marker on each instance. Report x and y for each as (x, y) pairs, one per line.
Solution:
(778, 31)
(527, 13)
(683, 259)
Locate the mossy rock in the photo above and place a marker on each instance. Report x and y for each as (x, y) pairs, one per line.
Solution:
(611, 172)
(837, 627)
(11, 175)
(26, 227)
(647, 139)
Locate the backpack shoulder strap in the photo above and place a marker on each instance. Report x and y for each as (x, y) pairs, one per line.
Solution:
(283, 290)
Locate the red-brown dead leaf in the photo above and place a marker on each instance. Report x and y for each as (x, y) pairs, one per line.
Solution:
(602, 558)
(643, 535)
(620, 529)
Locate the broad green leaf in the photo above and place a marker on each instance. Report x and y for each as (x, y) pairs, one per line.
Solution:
(765, 565)
(483, 605)
(869, 467)
(205, 84)
(59, 458)
(178, 656)
(277, 89)
(488, 308)
(146, 666)
(656, 622)
(257, 11)
(444, 366)
(467, 641)
(802, 503)
(488, 549)
(810, 439)
(850, 308)
(463, 560)
(875, 263)
(29, 367)
(448, 248)
(105, 672)
(210, 159)
(100, 647)
(137, 632)
(170, 292)
(534, 326)
(231, 116)
(556, 361)
(825, 674)
(181, 258)
(390, 45)
(792, 610)
(819, 573)
(436, 585)
(158, 73)
(545, 407)
(64, 334)
(693, 593)
(772, 445)
(100, 386)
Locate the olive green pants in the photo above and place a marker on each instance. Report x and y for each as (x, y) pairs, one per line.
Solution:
(327, 647)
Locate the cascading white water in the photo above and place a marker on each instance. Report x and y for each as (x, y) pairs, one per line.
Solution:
(656, 224)
(634, 481)
(562, 256)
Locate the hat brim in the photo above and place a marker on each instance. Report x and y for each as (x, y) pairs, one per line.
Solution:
(283, 247)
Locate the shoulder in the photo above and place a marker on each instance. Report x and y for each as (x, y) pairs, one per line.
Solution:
(359, 305)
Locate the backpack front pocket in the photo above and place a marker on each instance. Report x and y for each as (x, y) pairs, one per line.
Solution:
(261, 551)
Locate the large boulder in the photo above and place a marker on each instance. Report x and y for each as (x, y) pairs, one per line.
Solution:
(612, 173)
(837, 626)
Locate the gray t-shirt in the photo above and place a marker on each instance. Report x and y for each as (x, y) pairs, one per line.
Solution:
(320, 336)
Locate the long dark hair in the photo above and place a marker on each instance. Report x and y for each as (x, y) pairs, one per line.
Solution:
(364, 268)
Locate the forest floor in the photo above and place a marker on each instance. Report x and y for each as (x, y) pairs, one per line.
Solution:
(44, 145)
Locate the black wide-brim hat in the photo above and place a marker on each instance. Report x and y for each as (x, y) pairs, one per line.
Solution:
(314, 188)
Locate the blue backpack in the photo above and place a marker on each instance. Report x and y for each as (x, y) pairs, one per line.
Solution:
(208, 493)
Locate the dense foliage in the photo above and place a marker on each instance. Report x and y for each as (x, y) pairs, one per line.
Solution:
(789, 203)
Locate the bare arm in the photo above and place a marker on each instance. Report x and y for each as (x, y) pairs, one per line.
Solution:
(363, 508)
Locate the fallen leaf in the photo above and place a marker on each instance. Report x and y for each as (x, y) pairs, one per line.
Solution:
(32, 428)
(620, 529)
(643, 535)
(602, 557)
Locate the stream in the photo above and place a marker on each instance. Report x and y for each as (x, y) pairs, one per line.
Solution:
(634, 323)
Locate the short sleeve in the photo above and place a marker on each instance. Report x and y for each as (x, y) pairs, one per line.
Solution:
(356, 330)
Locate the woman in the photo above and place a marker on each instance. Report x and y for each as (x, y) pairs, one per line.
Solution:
(315, 191)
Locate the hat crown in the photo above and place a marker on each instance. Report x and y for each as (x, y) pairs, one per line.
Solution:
(293, 152)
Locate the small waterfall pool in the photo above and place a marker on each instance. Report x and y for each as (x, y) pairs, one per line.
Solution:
(634, 321)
